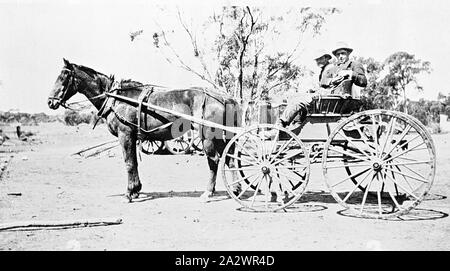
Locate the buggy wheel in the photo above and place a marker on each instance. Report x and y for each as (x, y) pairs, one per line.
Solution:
(181, 144)
(379, 163)
(273, 164)
(152, 147)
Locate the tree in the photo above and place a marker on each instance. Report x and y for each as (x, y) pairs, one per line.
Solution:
(403, 69)
(247, 52)
(377, 94)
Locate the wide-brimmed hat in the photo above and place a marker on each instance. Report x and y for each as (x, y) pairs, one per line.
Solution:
(342, 45)
(320, 53)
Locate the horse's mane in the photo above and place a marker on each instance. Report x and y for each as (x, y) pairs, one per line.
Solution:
(89, 70)
(128, 83)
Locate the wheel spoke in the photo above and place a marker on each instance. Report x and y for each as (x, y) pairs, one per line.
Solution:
(266, 200)
(365, 195)
(375, 137)
(275, 141)
(256, 192)
(291, 167)
(284, 185)
(287, 157)
(402, 187)
(403, 152)
(249, 154)
(242, 178)
(404, 178)
(240, 159)
(363, 136)
(379, 198)
(409, 176)
(347, 153)
(404, 133)
(348, 165)
(389, 134)
(242, 168)
(411, 163)
(418, 174)
(351, 142)
(352, 176)
(248, 186)
(357, 185)
(281, 149)
(390, 194)
(287, 177)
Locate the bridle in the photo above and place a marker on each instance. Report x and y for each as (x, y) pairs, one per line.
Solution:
(67, 85)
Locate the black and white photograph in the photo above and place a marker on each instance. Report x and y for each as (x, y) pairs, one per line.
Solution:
(224, 126)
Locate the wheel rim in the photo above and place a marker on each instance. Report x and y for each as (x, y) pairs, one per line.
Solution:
(379, 163)
(273, 172)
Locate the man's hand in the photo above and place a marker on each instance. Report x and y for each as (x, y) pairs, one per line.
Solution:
(337, 80)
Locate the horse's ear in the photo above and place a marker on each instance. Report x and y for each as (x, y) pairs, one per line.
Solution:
(67, 63)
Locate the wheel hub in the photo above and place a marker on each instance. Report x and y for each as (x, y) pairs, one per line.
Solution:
(377, 166)
(265, 170)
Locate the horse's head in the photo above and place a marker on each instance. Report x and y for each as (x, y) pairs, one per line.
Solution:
(64, 87)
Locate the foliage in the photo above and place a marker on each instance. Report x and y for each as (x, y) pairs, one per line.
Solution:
(403, 69)
(245, 51)
(25, 118)
(388, 91)
(73, 118)
(426, 111)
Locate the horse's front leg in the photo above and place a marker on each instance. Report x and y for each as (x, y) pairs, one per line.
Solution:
(127, 140)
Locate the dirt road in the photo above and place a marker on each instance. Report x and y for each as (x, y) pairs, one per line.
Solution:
(43, 182)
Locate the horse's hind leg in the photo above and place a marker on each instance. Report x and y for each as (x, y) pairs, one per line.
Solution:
(127, 140)
(209, 149)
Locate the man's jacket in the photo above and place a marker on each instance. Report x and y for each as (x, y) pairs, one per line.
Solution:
(358, 76)
(326, 75)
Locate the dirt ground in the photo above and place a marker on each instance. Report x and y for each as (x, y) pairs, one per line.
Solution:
(42, 181)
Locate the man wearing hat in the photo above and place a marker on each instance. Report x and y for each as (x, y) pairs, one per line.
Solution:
(346, 68)
(326, 68)
(299, 104)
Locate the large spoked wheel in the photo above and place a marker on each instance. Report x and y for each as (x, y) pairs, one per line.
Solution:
(152, 147)
(181, 144)
(379, 163)
(273, 164)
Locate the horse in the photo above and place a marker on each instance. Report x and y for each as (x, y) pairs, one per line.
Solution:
(126, 121)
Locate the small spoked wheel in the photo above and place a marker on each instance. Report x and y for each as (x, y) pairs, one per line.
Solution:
(379, 163)
(152, 147)
(197, 143)
(181, 144)
(273, 166)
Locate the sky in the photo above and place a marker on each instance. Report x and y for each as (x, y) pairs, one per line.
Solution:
(35, 36)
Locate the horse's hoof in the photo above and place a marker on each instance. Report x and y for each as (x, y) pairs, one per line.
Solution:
(134, 196)
(206, 196)
(126, 199)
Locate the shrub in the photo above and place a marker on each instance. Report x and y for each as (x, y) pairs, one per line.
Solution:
(73, 118)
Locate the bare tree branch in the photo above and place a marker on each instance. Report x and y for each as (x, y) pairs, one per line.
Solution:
(182, 64)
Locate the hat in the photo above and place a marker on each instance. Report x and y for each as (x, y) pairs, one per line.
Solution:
(320, 53)
(342, 45)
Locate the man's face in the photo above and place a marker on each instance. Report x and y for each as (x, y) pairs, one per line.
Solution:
(322, 61)
(342, 56)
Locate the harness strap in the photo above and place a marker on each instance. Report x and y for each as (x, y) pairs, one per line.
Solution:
(205, 96)
(106, 107)
(142, 97)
